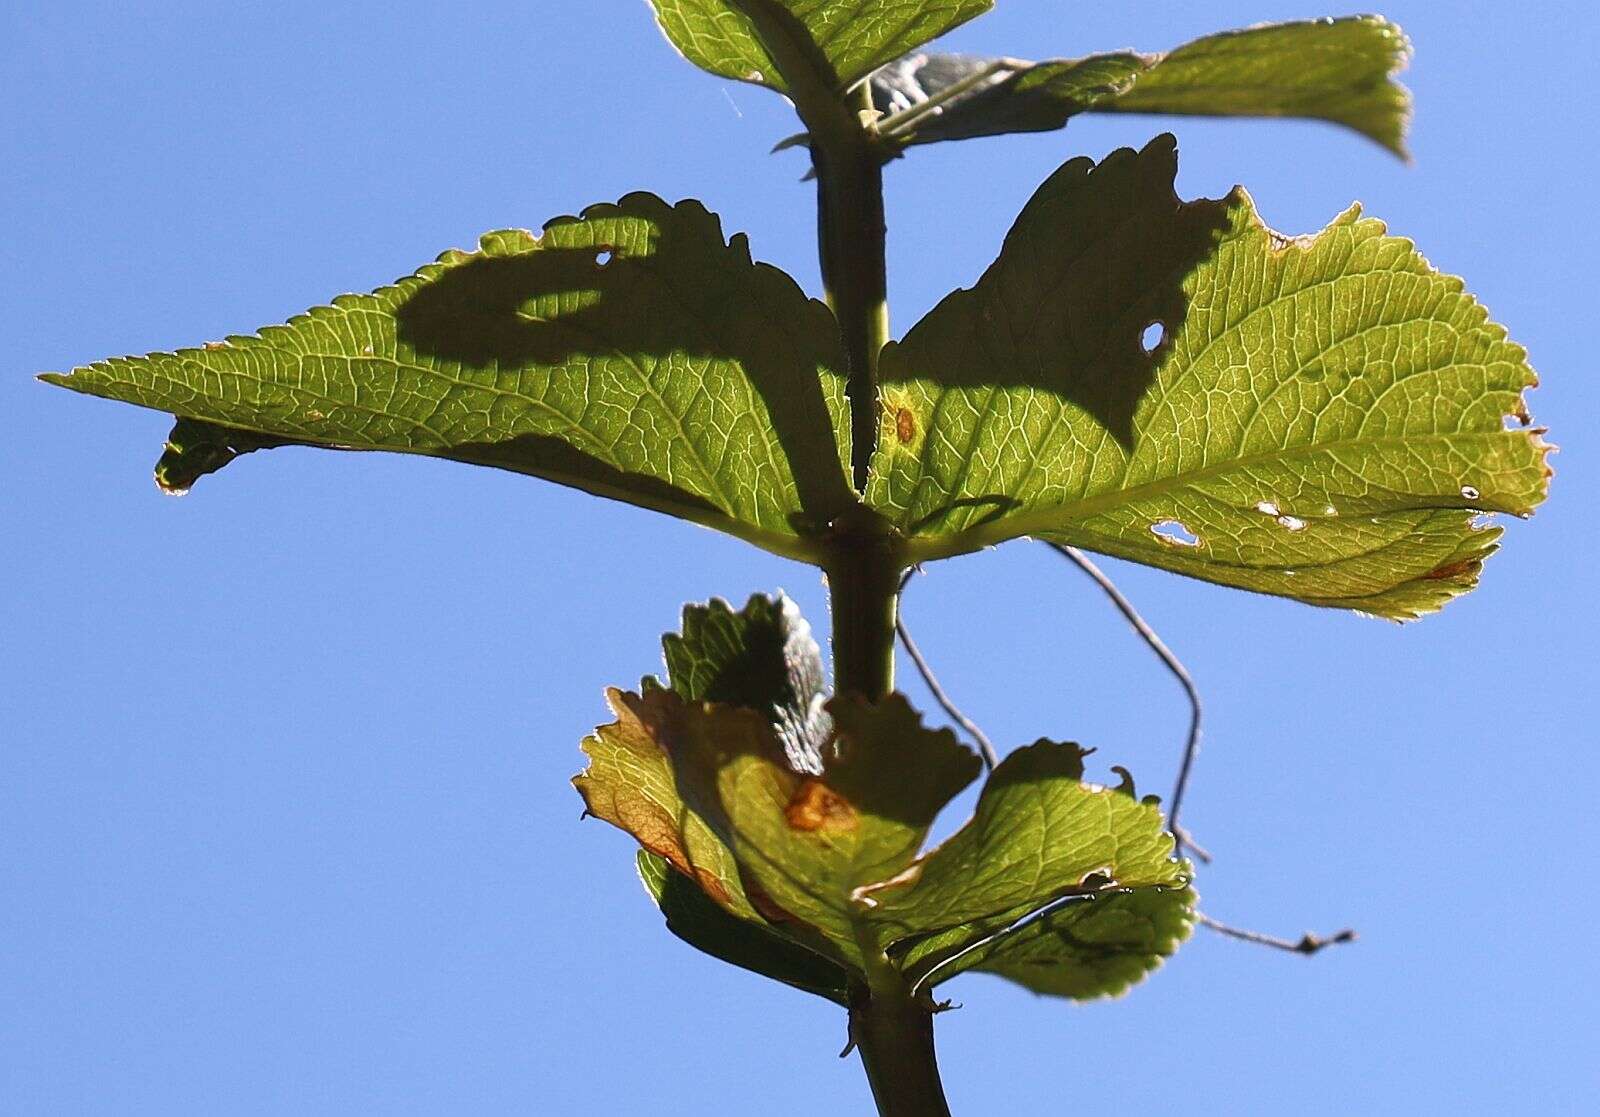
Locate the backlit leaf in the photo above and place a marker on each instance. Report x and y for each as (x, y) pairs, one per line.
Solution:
(840, 40)
(630, 783)
(1039, 833)
(631, 352)
(810, 841)
(1098, 946)
(703, 925)
(1338, 70)
(1323, 418)
(762, 658)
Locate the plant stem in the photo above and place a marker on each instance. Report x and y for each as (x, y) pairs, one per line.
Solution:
(864, 595)
(864, 565)
(895, 1036)
(892, 1028)
(850, 239)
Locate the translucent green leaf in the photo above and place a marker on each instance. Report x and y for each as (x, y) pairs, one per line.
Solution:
(809, 842)
(1322, 418)
(1039, 833)
(1338, 70)
(630, 352)
(968, 96)
(838, 41)
(828, 861)
(1096, 946)
(703, 925)
(630, 783)
(762, 657)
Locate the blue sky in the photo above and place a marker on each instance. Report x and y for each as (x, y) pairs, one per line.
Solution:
(284, 819)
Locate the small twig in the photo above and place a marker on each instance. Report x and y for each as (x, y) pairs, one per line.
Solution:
(1201, 853)
(1308, 945)
(985, 746)
(1191, 748)
(1035, 916)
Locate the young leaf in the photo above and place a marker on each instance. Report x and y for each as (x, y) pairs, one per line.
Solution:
(630, 352)
(752, 946)
(1096, 946)
(808, 842)
(1320, 418)
(1338, 70)
(630, 783)
(1039, 833)
(836, 42)
(762, 657)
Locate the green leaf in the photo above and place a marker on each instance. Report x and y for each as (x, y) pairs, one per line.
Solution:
(630, 352)
(763, 658)
(703, 925)
(837, 42)
(630, 783)
(1338, 70)
(994, 96)
(1323, 418)
(1039, 833)
(1095, 946)
(809, 842)
(826, 865)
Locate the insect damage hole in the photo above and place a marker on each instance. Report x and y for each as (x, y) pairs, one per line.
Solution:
(604, 255)
(1175, 532)
(1153, 336)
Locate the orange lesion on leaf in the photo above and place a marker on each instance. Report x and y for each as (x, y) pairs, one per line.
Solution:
(902, 426)
(817, 807)
(905, 425)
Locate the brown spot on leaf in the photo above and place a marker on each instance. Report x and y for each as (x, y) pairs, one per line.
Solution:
(1466, 568)
(816, 806)
(905, 425)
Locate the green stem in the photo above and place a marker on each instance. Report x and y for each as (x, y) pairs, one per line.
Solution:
(894, 1033)
(865, 555)
(863, 569)
(850, 239)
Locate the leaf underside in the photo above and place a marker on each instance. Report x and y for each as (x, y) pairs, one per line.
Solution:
(692, 916)
(630, 352)
(790, 862)
(1337, 70)
(844, 39)
(1322, 418)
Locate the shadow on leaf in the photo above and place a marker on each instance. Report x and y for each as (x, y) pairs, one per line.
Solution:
(664, 313)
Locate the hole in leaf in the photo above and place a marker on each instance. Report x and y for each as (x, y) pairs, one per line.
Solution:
(1174, 531)
(604, 256)
(1469, 493)
(1154, 334)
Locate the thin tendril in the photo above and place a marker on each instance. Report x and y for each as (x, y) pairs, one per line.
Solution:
(1308, 944)
(985, 746)
(1191, 748)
